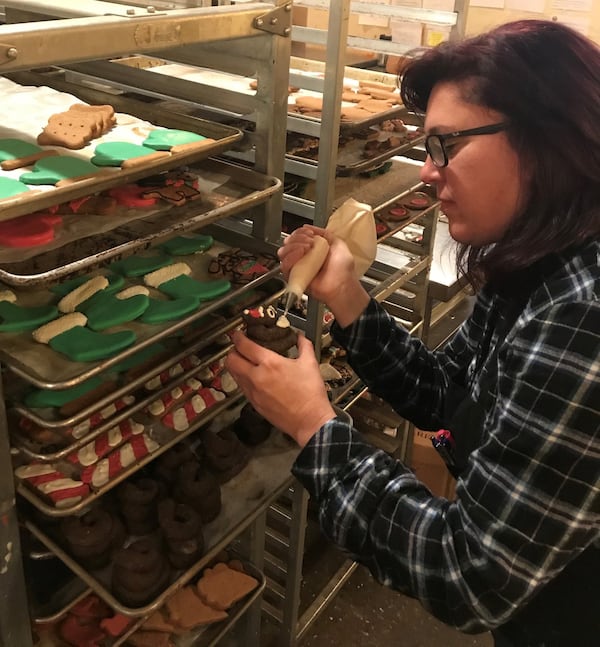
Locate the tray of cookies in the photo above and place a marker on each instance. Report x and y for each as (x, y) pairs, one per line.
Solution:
(160, 529)
(68, 486)
(100, 319)
(55, 147)
(39, 249)
(360, 150)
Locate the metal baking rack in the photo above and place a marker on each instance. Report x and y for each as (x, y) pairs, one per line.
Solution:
(224, 137)
(41, 366)
(176, 352)
(28, 451)
(242, 190)
(243, 499)
(175, 437)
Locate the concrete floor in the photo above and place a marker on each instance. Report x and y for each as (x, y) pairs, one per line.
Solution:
(366, 613)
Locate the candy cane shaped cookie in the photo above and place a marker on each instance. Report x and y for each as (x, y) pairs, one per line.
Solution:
(162, 379)
(168, 400)
(83, 428)
(57, 487)
(106, 442)
(108, 468)
(181, 418)
(224, 382)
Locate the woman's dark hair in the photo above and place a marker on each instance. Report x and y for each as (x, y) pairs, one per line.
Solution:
(545, 78)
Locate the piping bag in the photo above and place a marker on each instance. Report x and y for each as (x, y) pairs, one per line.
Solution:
(354, 223)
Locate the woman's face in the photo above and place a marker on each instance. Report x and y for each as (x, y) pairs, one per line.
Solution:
(480, 188)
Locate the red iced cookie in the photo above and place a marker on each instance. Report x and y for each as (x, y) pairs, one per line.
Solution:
(28, 231)
(132, 195)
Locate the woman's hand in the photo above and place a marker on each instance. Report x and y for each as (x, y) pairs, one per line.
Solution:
(336, 283)
(289, 393)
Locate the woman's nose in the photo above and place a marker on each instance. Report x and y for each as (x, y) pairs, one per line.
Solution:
(430, 174)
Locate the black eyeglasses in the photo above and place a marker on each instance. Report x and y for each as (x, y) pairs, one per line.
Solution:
(435, 145)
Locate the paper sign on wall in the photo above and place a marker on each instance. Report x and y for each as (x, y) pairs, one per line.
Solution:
(571, 5)
(490, 4)
(533, 6)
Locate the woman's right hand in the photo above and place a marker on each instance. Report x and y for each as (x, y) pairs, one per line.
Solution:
(336, 283)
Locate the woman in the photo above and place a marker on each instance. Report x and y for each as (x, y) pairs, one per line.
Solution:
(513, 142)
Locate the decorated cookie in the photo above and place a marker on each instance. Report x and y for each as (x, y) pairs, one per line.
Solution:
(10, 187)
(30, 230)
(104, 310)
(42, 398)
(51, 170)
(16, 318)
(134, 266)
(190, 244)
(16, 153)
(221, 586)
(105, 443)
(163, 139)
(52, 484)
(163, 378)
(69, 336)
(115, 283)
(241, 267)
(163, 310)
(132, 195)
(171, 398)
(174, 280)
(183, 417)
(108, 468)
(176, 193)
(266, 328)
(116, 153)
(417, 200)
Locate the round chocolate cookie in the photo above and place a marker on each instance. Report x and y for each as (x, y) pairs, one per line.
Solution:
(138, 503)
(182, 529)
(91, 537)
(199, 488)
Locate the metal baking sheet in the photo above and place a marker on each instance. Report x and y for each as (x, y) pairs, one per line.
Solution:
(105, 238)
(44, 368)
(148, 116)
(243, 498)
(350, 160)
(173, 438)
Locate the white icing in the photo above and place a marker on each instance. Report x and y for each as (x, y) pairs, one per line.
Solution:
(132, 291)
(164, 274)
(127, 455)
(283, 322)
(198, 404)
(180, 421)
(58, 484)
(87, 454)
(29, 471)
(100, 475)
(156, 408)
(8, 295)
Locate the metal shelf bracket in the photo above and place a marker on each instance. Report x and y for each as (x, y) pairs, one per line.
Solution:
(277, 21)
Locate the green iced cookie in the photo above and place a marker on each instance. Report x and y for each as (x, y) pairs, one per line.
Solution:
(15, 318)
(51, 170)
(10, 187)
(115, 153)
(104, 310)
(115, 283)
(80, 344)
(163, 139)
(11, 149)
(159, 311)
(182, 245)
(140, 265)
(185, 286)
(42, 398)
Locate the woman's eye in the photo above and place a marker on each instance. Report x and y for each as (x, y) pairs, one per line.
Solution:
(452, 149)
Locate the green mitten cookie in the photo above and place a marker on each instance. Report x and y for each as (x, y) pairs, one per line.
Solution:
(115, 153)
(185, 286)
(139, 265)
(15, 318)
(163, 139)
(42, 398)
(159, 311)
(81, 344)
(10, 187)
(183, 245)
(115, 283)
(104, 310)
(51, 170)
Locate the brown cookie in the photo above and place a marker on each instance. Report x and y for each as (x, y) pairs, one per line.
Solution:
(355, 114)
(221, 586)
(309, 103)
(177, 194)
(375, 105)
(187, 610)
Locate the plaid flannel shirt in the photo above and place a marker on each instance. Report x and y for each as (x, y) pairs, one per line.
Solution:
(529, 499)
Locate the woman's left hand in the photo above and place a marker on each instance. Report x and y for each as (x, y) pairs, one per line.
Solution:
(289, 393)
